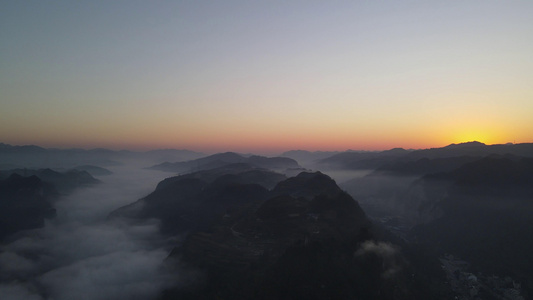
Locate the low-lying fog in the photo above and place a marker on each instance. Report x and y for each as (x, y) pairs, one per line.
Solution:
(342, 176)
(79, 255)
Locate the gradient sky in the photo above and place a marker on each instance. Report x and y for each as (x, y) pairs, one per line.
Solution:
(265, 75)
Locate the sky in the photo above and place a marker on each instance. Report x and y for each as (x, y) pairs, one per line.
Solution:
(265, 75)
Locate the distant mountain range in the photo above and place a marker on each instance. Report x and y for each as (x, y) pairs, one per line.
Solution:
(172, 160)
(248, 230)
(473, 149)
(222, 159)
(476, 205)
(93, 170)
(394, 158)
(307, 157)
(361, 160)
(64, 182)
(31, 156)
(486, 214)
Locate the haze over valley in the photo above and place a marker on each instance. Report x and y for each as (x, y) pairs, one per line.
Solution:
(266, 150)
(397, 224)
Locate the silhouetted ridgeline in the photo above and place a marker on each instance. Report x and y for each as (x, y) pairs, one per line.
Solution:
(237, 228)
(487, 216)
(26, 196)
(191, 201)
(300, 238)
(64, 182)
(222, 159)
(361, 160)
(476, 208)
(24, 203)
(398, 156)
(93, 170)
(36, 157)
(308, 158)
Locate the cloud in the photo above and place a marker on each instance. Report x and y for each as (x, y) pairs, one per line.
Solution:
(117, 275)
(386, 251)
(11, 262)
(17, 291)
(379, 248)
(80, 255)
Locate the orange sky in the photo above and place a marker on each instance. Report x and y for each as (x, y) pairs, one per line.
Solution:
(256, 77)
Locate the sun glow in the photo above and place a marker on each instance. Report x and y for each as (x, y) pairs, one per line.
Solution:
(471, 135)
(487, 135)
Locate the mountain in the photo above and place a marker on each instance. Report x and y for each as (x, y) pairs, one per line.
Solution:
(475, 208)
(93, 170)
(404, 187)
(24, 203)
(29, 149)
(252, 233)
(394, 158)
(307, 157)
(486, 216)
(424, 165)
(162, 155)
(192, 201)
(64, 182)
(245, 173)
(222, 159)
(305, 239)
(361, 160)
(491, 172)
(307, 185)
(475, 149)
(36, 157)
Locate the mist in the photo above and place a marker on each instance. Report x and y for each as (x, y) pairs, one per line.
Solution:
(387, 252)
(80, 255)
(342, 176)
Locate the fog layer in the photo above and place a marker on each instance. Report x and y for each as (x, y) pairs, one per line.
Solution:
(79, 255)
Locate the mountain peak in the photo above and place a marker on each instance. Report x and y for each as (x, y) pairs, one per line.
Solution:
(307, 185)
(466, 144)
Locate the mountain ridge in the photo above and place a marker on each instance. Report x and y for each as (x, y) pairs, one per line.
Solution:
(226, 158)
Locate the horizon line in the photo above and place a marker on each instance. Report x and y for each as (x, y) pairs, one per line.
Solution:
(241, 152)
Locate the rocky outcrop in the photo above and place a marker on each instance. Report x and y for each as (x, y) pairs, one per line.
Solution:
(24, 203)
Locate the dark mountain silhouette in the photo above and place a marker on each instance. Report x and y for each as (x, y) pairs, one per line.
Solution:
(476, 208)
(31, 149)
(244, 173)
(424, 166)
(303, 237)
(304, 240)
(36, 157)
(26, 196)
(307, 157)
(222, 159)
(475, 149)
(275, 163)
(24, 203)
(394, 158)
(93, 170)
(64, 182)
(405, 188)
(362, 160)
(492, 171)
(307, 185)
(487, 216)
(161, 155)
(192, 201)
(205, 163)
